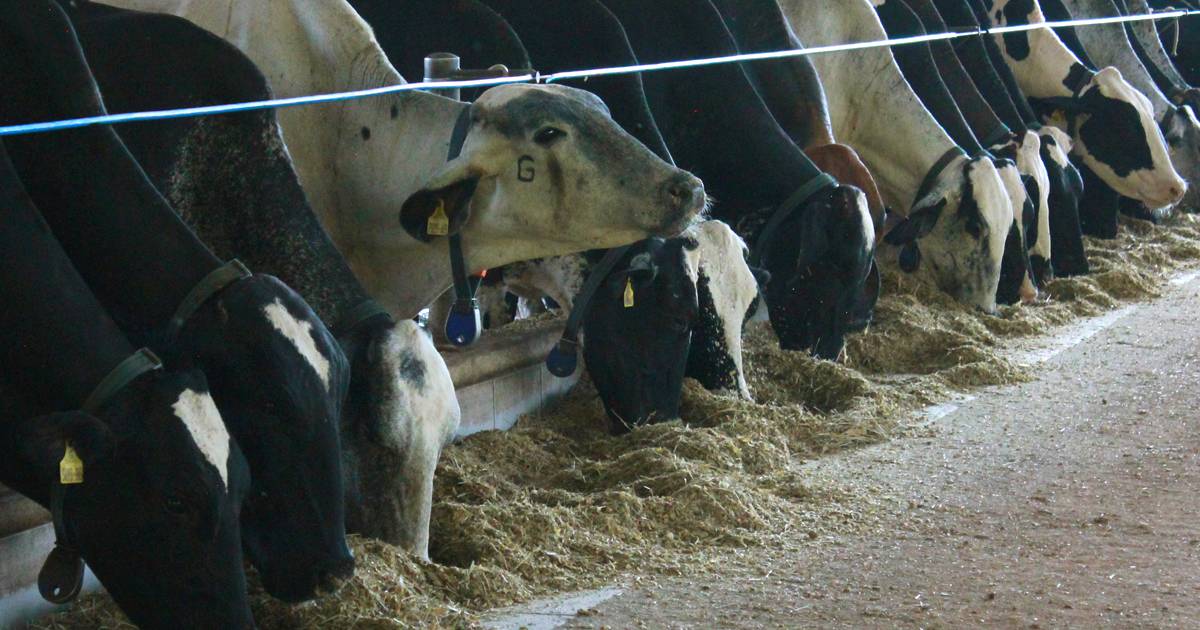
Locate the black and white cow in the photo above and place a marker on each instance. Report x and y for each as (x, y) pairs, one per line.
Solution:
(232, 181)
(958, 212)
(1108, 45)
(277, 375)
(1016, 144)
(933, 81)
(1111, 123)
(1184, 37)
(156, 515)
(550, 171)
(667, 309)
(716, 125)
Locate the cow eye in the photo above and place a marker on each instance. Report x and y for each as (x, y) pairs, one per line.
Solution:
(548, 135)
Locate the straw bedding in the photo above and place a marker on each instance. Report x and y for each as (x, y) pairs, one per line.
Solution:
(556, 504)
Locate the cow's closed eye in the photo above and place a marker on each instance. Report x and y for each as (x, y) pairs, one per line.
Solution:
(547, 136)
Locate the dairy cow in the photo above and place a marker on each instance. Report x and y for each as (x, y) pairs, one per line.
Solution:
(155, 516)
(984, 62)
(232, 181)
(1111, 123)
(1015, 144)
(917, 63)
(1149, 47)
(276, 373)
(792, 92)
(1108, 45)
(543, 170)
(715, 124)
(958, 213)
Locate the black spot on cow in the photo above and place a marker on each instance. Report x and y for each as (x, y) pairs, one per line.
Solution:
(1113, 134)
(365, 133)
(1077, 78)
(1016, 13)
(709, 360)
(412, 370)
(1066, 192)
(395, 113)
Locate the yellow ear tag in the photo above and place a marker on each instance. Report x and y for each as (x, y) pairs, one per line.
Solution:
(628, 293)
(70, 469)
(439, 223)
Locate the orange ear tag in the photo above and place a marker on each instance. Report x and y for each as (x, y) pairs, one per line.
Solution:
(70, 469)
(439, 223)
(628, 293)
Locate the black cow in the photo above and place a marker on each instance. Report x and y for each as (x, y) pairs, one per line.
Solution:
(156, 515)
(277, 375)
(639, 380)
(983, 60)
(231, 180)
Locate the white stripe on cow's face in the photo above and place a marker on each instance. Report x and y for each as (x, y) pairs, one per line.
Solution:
(199, 414)
(300, 334)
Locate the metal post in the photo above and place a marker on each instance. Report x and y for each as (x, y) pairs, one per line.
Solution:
(443, 66)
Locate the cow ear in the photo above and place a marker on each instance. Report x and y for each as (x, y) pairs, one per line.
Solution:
(443, 206)
(918, 225)
(41, 441)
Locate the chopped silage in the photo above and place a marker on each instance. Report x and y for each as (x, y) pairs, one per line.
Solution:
(556, 504)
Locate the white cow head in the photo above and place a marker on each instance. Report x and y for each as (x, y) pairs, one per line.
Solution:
(544, 168)
(955, 235)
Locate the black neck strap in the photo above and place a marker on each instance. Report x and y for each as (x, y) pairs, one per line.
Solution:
(212, 284)
(934, 173)
(562, 360)
(365, 311)
(464, 322)
(61, 577)
(120, 377)
(785, 210)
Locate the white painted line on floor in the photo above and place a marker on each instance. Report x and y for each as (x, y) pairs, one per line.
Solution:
(936, 412)
(1185, 278)
(548, 614)
(1071, 337)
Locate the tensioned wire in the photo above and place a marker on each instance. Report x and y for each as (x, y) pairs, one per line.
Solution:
(536, 77)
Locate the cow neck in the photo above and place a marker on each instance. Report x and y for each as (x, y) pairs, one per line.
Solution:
(212, 284)
(365, 313)
(61, 577)
(464, 323)
(564, 357)
(765, 236)
(935, 172)
(133, 250)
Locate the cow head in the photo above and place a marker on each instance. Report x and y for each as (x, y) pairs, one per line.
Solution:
(400, 412)
(1016, 284)
(727, 290)
(545, 170)
(280, 380)
(1115, 135)
(955, 235)
(1026, 149)
(156, 517)
(1181, 130)
(819, 272)
(1066, 192)
(637, 330)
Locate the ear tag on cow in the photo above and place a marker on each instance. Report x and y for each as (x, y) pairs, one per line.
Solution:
(628, 293)
(439, 223)
(70, 469)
